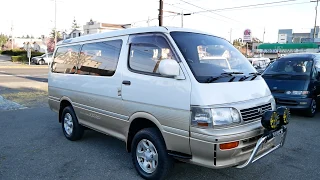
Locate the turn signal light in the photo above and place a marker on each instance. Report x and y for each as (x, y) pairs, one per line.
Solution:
(229, 145)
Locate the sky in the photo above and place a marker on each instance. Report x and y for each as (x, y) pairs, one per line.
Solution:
(36, 17)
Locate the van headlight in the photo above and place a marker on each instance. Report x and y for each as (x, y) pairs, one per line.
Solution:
(211, 117)
(273, 104)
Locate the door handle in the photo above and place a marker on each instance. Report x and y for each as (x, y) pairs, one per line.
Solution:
(126, 83)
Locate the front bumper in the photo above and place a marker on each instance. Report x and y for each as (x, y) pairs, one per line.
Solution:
(293, 102)
(252, 146)
(278, 136)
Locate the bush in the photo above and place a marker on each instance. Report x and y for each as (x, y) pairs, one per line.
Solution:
(18, 52)
(19, 58)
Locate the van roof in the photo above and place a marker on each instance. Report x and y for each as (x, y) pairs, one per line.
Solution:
(128, 31)
(300, 55)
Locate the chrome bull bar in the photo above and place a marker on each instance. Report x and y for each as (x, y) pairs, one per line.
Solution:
(264, 139)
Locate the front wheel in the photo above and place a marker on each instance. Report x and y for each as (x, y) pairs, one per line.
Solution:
(149, 154)
(71, 128)
(311, 111)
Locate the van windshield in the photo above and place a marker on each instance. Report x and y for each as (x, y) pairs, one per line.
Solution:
(210, 56)
(290, 66)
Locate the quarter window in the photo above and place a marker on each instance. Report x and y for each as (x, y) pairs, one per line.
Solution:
(146, 52)
(100, 58)
(66, 59)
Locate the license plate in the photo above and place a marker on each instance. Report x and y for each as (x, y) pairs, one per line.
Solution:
(277, 139)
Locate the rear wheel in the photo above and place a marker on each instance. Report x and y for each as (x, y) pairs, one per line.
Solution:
(311, 111)
(149, 154)
(71, 128)
(41, 62)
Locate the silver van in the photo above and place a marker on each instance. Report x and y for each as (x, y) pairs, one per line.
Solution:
(163, 91)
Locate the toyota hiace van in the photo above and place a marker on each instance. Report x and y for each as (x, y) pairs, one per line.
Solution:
(154, 89)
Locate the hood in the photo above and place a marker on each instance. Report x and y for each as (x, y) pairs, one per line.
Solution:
(204, 94)
(281, 85)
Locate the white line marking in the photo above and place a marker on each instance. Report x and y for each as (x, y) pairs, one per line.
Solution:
(2, 71)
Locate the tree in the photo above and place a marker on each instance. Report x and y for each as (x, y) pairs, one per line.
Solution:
(28, 36)
(74, 25)
(3, 39)
(236, 42)
(52, 35)
(256, 40)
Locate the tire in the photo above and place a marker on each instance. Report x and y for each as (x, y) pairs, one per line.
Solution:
(312, 110)
(150, 138)
(71, 128)
(41, 62)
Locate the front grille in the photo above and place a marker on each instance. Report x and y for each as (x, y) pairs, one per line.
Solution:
(286, 102)
(254, 113)
(277, 91)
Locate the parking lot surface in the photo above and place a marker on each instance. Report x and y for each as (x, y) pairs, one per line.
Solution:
(32, 146)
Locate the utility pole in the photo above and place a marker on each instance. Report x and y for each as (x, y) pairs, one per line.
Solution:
(55, 22)
(315, 20)
(148, 21)
(181, 14)
(160, 12)
(264, 31)
(12, 40)
(182, 19)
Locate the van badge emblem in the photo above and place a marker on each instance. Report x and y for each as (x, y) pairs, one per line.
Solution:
(275, 88)
(260, 111)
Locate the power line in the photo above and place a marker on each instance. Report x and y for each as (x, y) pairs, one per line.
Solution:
(211, 12)
(252, 5)
(196, 14)
(150, 19)
(259, 7)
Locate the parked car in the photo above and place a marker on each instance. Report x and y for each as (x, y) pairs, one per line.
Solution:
(149, 88)
(259, 63)
(44, 59)
(295, 82)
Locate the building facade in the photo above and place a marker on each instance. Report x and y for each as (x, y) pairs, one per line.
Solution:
(93, 27)
(285, 36)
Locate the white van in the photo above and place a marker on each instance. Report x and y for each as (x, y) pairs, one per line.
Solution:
(147, 87)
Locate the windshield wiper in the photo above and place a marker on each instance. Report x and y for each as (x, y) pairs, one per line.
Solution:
(223, 75)
(253, 75)
(279, 74)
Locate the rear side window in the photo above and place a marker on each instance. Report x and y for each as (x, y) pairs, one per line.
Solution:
(100, 58)
(65, 60)
(146, 52)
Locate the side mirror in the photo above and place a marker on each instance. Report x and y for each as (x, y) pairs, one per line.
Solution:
(169, 67)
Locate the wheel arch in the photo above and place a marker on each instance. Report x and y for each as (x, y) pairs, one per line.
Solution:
(64, 102)
(139, 121)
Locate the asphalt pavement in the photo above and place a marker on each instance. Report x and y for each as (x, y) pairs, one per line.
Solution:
(32, 146)
(18, 74)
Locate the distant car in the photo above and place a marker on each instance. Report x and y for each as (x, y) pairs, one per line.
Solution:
(259, 63)
(44, 59)
(294, 81)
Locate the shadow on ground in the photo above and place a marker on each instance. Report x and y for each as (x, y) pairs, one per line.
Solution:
(33, 78)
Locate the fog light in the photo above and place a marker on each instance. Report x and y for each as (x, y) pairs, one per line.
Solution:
(303, 103)
(270, 120)
(229, 145)
(284, 115)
